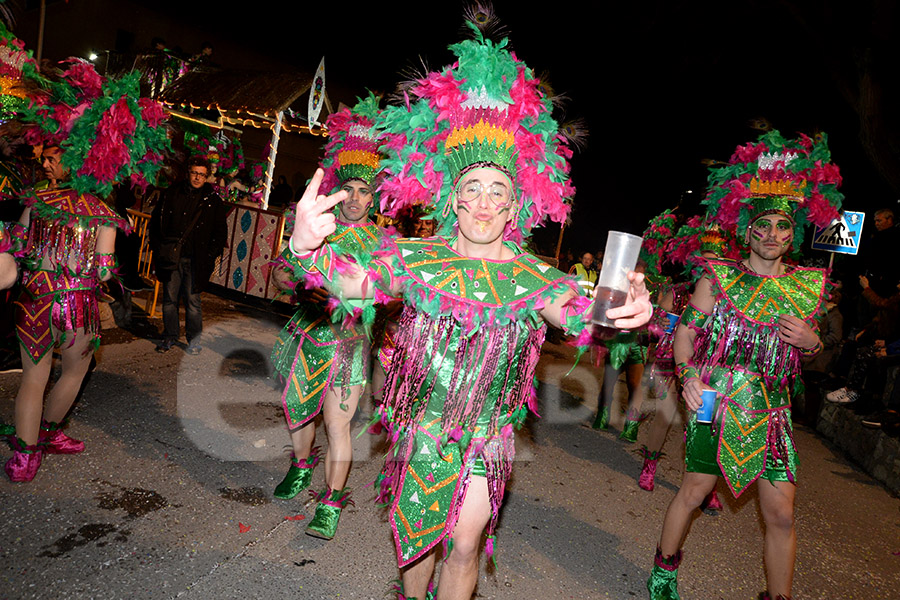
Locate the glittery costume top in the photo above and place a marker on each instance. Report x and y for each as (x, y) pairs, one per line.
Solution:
(61, 268)
(738, 352)
(323, 346)
(462, 376)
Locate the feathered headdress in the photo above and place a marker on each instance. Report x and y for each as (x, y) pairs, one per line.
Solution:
(109, 134)
(353, 150)
(17, 72)
(658, 237)
(696, 237)
(795, 178)
(486, 109)
(226, 153)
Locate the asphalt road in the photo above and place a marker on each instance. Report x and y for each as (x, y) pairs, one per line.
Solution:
(172, 497)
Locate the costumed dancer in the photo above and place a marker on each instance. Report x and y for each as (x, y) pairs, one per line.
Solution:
(670, 298)
(743, 335)
(476, 143)
(663, 248)
(322, 354)
(627, 350)
(94, 132)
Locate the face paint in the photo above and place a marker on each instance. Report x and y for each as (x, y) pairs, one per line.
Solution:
(757, 234)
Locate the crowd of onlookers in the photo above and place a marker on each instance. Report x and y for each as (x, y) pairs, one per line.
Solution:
(861, 332)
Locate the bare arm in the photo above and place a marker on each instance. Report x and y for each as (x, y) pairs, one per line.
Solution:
(8, 271)
(553, 310)
(25, 219)
(636, 311)
(106, 244)
(683, 346)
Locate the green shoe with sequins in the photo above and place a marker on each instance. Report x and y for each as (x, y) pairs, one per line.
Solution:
(328, 512)
(602, 420)
(663, 582)
(630, 431)
(298, 477)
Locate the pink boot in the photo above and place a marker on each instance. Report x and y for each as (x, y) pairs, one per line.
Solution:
(711, 502)
(56, 442)
(648, 471)
(25, 461)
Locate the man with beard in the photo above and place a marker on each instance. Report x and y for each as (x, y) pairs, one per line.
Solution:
(322, 353)
(743, 334)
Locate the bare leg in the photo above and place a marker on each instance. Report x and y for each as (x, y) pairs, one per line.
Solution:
(302, 440)
(416, 576)
(633, 373)
(694, 488)
(459, 574)
(378, 377)
(776, 502)
(75, 362)
(666, 407)
(610, 378)
(30, 399)
(337, 428)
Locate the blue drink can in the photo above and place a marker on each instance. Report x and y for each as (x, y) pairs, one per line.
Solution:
(708, 408)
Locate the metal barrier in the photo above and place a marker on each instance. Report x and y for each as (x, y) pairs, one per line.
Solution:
(141, 223)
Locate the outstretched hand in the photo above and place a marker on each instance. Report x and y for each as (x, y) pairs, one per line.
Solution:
(637, 309)
(314, 220)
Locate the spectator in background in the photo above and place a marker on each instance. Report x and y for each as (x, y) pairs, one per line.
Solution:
(423, 228)
(282, 193)
(584, 270)
(187, 234)
(856, 355)
(204, 58)
(880, 261)
(831, 332)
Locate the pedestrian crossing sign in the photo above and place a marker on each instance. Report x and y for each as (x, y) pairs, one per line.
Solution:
(842, 235)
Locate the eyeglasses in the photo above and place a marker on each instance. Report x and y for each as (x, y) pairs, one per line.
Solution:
(497, 193)
(196, 173)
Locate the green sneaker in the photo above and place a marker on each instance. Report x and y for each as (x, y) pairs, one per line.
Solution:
(328, 512)
(602, 420)
(298, 477)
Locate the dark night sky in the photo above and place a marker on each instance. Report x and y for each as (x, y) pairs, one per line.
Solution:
(662, 84)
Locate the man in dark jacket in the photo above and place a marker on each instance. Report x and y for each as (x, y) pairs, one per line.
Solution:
(190, 214)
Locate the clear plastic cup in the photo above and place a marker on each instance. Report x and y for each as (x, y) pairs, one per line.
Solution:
(708, 408)
(619, 258)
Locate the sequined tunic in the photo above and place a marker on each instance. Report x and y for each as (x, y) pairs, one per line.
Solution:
(462, 377)
(756, 373)
(60, 266)
(318, 349)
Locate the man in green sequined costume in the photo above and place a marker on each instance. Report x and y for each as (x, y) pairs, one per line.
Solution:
(743, 334)
(322, 353)
(475, 304)
(450, 408)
